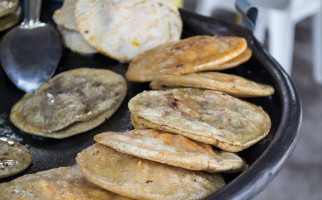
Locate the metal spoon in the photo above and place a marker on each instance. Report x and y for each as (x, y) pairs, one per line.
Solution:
(31, 51)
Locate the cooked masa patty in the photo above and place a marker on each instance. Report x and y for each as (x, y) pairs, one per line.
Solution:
(122, 29)
(64, 16)
(206, 116)
(68, 101)
(231, 84)
(10, 19)
(171, 149)
(142, 179)
(8, 6)
(193, 54)
(75, 41)
(14, 157)
(58, 183)
(242, 58)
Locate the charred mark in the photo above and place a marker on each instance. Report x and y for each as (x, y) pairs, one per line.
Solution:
(13, 145)
(5, 165)
(97, 84)
(81, 93)
(95, 153)
(173, 102)
(149, 181)
(87, 108)
(164, 86)
(180, 65)
(176, 48)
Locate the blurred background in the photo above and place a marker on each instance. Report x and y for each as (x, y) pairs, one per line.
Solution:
(291, 31)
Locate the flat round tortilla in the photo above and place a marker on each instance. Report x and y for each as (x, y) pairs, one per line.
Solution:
(242, 58)
(193, 54)
(64, 16)
(231, 84)
(58, 183)
(206, 116)
(170, 149)
(82, 126)
(10, 19)
(69, 100)
(74, 41)
(14, 157)
(142, 179)
(8, 6)
(122, 29)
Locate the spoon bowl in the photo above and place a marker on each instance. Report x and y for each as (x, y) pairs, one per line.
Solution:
(31, 51)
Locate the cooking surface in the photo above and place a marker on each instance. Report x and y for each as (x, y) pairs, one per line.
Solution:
(50, 153)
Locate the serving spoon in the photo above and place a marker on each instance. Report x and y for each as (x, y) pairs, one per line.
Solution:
(31, 51)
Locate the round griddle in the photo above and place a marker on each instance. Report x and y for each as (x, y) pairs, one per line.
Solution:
(265, 158)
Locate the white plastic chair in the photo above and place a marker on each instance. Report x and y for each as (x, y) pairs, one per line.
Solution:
(280, 18)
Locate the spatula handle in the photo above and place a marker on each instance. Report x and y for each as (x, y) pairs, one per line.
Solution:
(249, 13)
(32, 12)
